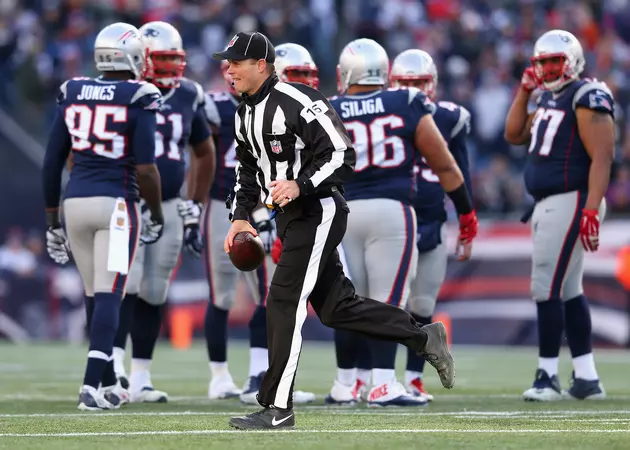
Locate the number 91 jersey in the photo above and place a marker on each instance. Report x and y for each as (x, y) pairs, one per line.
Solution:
(180, 122)
(558, 161)
(382, 125)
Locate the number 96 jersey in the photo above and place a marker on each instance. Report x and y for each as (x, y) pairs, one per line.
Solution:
(558, 161)
(382, 125)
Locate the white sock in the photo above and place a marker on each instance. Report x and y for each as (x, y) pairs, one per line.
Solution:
(258, 361)
(411, 375)
(549, 365)
(140, 373)
(364, 375)
(382, 376)
(584, 367)
(347, 377)
(218, 368)
(119, 361)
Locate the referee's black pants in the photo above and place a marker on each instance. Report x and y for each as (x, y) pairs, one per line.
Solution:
(311, 228)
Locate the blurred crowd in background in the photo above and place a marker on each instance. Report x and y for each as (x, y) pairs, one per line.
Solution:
(480, 46)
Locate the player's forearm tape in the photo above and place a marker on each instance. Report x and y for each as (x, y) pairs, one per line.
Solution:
(461, 200)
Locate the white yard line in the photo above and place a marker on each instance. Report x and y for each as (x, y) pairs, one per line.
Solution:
(348, 411)
(193, 432)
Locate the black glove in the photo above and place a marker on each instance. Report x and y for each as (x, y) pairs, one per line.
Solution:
(267, 233)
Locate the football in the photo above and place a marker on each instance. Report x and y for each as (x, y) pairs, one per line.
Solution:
(248, 252)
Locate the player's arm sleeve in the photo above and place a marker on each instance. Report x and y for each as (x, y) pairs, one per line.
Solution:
(57, 151)
(458, 147)
(212, 112)
(314, 119)
(595, 96)
(199, 130)
(146, 101)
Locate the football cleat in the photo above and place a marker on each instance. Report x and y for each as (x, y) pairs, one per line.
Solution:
(124, 382)
(342, 395)
(584, 389)
(544, 389)
(91, 399)
(147, 394)
(416, 388)
(361, 390)
(222, 387)
(116, 395)
(393, 394)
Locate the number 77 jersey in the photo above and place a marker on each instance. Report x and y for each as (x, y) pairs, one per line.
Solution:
(558, 161)
(382, 124)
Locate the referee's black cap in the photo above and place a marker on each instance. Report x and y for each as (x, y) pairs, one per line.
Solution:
(243, 46)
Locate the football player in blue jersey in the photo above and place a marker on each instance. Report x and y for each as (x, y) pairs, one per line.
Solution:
(388, 128)
(221, 273)
(415, 68)
(180, 123)
(108, 124)
(571, 147)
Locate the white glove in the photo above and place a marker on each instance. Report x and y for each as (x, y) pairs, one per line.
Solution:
(151, 231)
(57, 245)
(190, 211)
(267, 233)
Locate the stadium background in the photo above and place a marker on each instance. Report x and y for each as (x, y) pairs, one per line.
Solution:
(480, 47)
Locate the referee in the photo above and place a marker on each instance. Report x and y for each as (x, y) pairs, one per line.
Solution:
(294, 154)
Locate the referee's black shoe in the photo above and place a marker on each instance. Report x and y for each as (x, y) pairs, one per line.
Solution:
(434, 348)
(265, 419)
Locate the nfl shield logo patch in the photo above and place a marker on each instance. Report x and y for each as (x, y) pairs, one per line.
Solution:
(232, 41)
(276, 146)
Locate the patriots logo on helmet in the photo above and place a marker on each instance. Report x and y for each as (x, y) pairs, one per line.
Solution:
(232, 41)
(151, 32)
(281, 52)
(276, 146)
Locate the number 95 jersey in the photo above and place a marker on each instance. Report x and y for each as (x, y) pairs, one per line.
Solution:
(558, 161)
(382, 125)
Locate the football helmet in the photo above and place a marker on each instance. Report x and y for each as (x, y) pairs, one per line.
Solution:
(165, 58)
(558, 59)
(363, 62)
(119, 47)
(295, 64)
(415, 68)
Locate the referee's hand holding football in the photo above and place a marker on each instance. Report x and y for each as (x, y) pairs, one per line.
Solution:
(236, 228)
(284, 191)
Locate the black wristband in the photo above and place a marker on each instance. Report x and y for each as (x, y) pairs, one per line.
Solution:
(461, 200)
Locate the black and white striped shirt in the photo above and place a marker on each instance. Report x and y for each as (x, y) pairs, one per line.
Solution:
(287, 131)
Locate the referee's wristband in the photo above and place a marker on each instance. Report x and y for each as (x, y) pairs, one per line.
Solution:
(461, 200)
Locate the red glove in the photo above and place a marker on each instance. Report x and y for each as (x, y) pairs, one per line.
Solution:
(276, 250)
(468, 225)
(529, 80)
(589, 229)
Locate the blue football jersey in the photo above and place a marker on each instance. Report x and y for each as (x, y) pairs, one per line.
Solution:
(453, 121)
(558, 161)
(220, 111)
(180, 122)
(382, 125)
(109, 126)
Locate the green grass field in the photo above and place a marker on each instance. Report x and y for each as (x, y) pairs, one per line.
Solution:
(39, 387)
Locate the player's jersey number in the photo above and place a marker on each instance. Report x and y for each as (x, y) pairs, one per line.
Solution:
(86, 125)
(553, 117)
(177, 128)
(373, 147)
